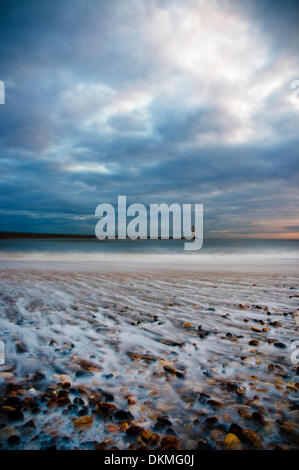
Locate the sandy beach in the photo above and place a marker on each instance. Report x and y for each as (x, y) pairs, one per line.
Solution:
(159, 357)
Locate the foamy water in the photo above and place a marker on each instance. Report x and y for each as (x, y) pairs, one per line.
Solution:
(114, 255)
(131, 324)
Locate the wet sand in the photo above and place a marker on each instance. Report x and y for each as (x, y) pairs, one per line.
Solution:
(149, 358)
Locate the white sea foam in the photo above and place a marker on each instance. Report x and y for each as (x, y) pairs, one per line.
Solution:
(263, 261)
(103, 316)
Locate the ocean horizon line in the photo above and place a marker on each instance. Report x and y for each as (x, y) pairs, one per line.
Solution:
(6, 235)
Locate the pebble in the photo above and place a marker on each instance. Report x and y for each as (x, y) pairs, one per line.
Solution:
(134, 430)
(15, 415)
(32, 392)
(232, 442)
(256, 416)
(104, 408)
(7, 431)
(251, 437)
(83, 421)
(236, 430)
(184, 406)
(215, 403)
(21, 347)
(123, 415)
(170, 442)
(279, 345)
(64, 378)
(146, 435)
(164, 421)
(211, 421)
(203, 445)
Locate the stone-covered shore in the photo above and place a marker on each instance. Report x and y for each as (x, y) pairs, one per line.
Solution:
(150, 361)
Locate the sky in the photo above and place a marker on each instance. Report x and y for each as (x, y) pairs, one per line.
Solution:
(175, 101)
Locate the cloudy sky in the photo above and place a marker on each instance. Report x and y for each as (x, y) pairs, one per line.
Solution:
(160, 100)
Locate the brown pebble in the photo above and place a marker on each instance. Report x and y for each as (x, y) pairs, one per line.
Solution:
(104, 408)
(170, 442)
(154, 438)
(244, 414)
(146, 435)
(123, 426)
(258, 417)
(134, 430)
(84, 421)
(101, 446)
(215, 403)
(251, 437)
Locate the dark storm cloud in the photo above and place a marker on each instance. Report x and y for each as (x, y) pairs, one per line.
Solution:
(277, 19)
(106, 98)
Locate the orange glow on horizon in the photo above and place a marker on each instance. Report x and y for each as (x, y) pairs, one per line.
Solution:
(278, 236)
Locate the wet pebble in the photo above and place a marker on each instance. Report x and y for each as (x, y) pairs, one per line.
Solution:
(134, 430)
(279, 345)
(170, 442)
(232, 442)
(123, 415)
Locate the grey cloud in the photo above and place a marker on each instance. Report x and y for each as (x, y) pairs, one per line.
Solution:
(173, 141)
